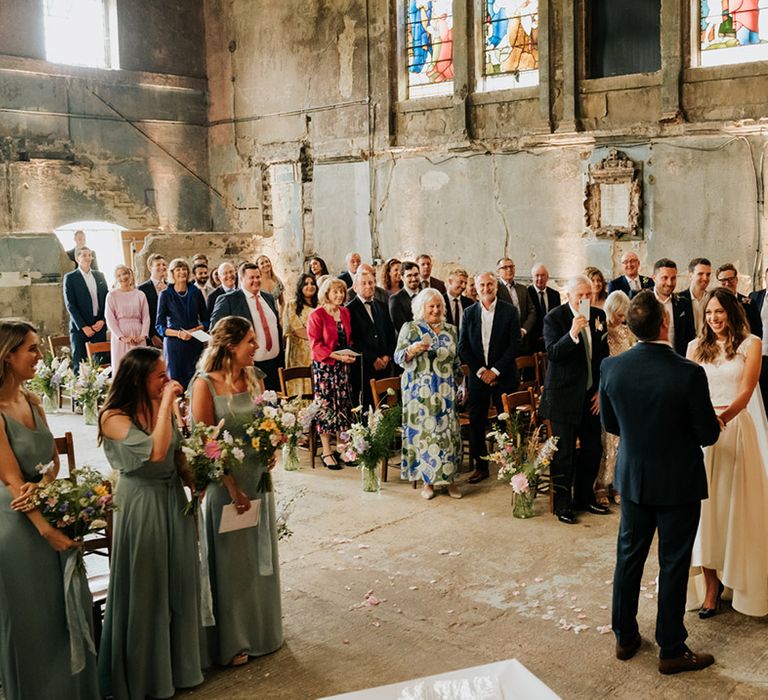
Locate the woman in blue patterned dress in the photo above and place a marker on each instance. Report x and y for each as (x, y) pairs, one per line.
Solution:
(427, 349)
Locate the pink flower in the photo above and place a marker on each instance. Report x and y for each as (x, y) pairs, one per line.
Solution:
(212, 449)
(519, 483)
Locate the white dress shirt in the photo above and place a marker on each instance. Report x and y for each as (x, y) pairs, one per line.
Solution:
(262, 353)
(203, 290)
(670, 315)
(764, 319)
(698, 310)
(452, 303)
(587, 335)
(634, 283)
(90, 282)
(486, 327)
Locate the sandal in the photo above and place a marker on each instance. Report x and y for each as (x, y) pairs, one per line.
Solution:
(454, 491)
(427, 492)
(329, 461)
(240, 659)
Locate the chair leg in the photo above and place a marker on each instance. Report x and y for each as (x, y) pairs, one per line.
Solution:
(384, 468)
(312, 445)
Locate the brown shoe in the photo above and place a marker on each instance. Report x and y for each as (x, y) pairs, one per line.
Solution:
(625, 653)
(689, 661)
(477, 476)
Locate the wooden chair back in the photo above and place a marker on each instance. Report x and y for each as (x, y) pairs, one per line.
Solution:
(56, 343)
(65, 447)
(289, 374)
(102, 349)
(529, 372)
(380, 389)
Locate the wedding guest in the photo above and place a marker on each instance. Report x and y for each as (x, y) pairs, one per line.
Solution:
(620, 339)
(730, 545)
(516, 294)
(243, 565)
(424, 262)
(297, 350)
(681, 326)
(379, 293)
(158, 271)
(576, 345)
(471, 291)
(489, 343)
(455, 301)
(352, 261)
(761, 311)
(215, 280)
(180, 312)
(151, 642)
(79, 238)
(228, 283)
(329, 329)
(127, 316)
(699, 274)
(631, 282)
(427, 349)
(400, 303)
(270, 282)
(391, 279)
(544, 300)
(35, 658)
(85, 294)
(728, 276)
(317, 267)
(599, 293)
(200, 277)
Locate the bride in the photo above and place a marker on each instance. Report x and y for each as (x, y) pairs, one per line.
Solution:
(731, 550)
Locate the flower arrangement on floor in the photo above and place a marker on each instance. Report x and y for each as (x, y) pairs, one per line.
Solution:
(369, 442)
(90, 388)
(51, 375)
(297, 417)
(210, 453)
(521, 460)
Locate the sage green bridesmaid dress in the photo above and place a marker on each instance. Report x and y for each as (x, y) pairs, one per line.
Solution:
(35, 661)
(243, 565)
(151, 643)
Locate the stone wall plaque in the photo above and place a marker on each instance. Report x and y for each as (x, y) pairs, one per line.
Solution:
(613, 197)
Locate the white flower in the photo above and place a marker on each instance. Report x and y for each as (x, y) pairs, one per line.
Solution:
(44, 468)
(238, 454)
(270, 412)
(227, 438)
(503, 416)
(98, 524)
(289, 420)
(269, 396)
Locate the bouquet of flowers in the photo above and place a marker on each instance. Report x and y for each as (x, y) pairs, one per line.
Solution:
(51, 374)
(370, 442)
(297, 416)
(521, 459)
(271, 425)
(210, 454)
(90, 387)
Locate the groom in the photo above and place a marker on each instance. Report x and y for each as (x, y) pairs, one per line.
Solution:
(660, 476)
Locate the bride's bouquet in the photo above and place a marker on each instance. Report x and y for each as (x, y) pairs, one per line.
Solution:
(210, 453)
(272, 425)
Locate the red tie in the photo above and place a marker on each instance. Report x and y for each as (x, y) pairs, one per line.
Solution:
(264, 324)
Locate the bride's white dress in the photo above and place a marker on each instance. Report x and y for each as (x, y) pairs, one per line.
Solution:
(733, 531)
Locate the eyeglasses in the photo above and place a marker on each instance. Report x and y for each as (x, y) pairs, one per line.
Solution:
(505, 267)
(725, 280)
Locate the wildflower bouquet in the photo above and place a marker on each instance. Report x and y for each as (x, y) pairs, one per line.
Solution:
(90, 387)
(271, 425)
(51, 374)
(210, 454)
(298, 415)
(521, 460)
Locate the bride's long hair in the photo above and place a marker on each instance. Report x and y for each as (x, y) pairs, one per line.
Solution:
(707, 349)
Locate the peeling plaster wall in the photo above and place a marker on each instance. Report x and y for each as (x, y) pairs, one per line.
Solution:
(471, 176)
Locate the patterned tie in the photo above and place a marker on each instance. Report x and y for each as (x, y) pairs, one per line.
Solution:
(264, 324)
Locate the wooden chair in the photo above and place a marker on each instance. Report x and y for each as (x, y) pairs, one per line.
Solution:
(529, 373)
(56, 343)
(542, 360)
(287, 374)
(65, 447)
(102, 349)
(381, 395)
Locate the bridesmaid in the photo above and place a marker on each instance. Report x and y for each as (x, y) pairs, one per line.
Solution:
(127, 315)
(151, 643)
(35, 649)
(243, 564)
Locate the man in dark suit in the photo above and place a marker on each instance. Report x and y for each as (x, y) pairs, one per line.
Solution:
(682, 329)
(379, 293)
(517, 295)
(228, 278)
(374, 338)
(252, 304)
(353, 261)
(576, 345)
(631, 282)
(400, 304)
(699, 274)
(85, 294)
(660, 475)
(728, 276)
(79, 238)
(760, 309)
(544, 299)
(158, 269)
(455, 301)
(424, 262)
(489, 343)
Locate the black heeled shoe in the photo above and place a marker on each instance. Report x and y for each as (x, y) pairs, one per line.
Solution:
(706, 613)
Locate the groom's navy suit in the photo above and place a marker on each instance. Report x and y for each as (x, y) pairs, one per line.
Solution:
(658, 402)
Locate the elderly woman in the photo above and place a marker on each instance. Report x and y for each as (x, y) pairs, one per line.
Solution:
(181, 311)
(620, 338)
(127, 316)
(427, 349)
(329, 329)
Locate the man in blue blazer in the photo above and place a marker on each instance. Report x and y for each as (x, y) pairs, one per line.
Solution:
(158, 268)
(249, 302)
(660, 475)
(631, 282)
(489, 343)
(85, 294)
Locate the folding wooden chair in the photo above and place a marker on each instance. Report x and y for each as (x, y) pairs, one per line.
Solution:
(288, 374)
(102, 349)
(528, 368)
(380, 392)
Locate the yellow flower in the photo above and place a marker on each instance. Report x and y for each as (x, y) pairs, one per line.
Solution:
(268, 425)
(255, 443)
(100, 490)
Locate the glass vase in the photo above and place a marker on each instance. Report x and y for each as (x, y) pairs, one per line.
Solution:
(370, 477)
(90, 413)
(50, 404)
(291, 458)
(522, 504)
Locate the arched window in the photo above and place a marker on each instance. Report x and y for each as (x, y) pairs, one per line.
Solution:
(429, 46)
(511, 43)
(732, 31)
(81, 33)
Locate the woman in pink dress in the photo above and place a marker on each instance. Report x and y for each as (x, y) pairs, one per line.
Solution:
(127, 316)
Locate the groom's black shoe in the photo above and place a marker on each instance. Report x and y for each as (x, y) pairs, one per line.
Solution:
(597, 509)
(626, 652)
(567, 516)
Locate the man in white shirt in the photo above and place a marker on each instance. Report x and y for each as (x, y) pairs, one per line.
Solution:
(678, 309)
(699, 274)
(200, 275)
(158, 271)
(400, 303)
(631, 282)
(455, 301)
(516, 294)
(228, 277)
(424, 262)
(544, 299)
(353, 261)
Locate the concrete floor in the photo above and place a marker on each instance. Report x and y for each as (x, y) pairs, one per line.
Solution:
(461, 583)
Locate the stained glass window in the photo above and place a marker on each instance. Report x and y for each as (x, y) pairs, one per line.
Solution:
(511, 43)
(429, 39)
(733, 31)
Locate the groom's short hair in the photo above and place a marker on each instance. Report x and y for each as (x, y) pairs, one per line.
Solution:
(646, 316)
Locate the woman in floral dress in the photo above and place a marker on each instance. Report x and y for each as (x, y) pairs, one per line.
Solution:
(297, 350)
(427, 349)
